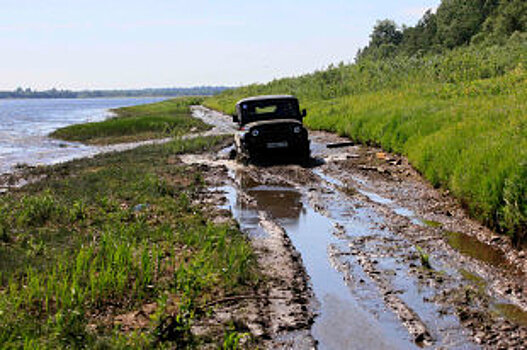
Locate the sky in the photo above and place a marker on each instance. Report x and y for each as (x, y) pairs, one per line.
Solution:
(114, 44)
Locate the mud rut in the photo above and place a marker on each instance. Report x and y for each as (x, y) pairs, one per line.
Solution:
(391, 262)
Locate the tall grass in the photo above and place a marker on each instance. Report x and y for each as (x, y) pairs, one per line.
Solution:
(136, 123)
(459, 117)
(101, 237)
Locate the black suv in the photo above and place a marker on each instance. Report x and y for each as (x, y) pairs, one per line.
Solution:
(270, 126)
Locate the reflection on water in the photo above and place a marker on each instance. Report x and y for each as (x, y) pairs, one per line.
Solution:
(280, 202)
(474, 248)
(512, 313)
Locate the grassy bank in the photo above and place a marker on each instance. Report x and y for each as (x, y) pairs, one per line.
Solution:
(150, 121)
(459, 117)
(112, 252)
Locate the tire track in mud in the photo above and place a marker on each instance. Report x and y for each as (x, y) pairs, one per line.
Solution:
(366, 226)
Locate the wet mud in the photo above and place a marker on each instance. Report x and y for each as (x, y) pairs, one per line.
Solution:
(385, 260)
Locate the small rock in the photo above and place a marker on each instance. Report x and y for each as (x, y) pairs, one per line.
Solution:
(479, 337)
(140, 207)
(421, 338)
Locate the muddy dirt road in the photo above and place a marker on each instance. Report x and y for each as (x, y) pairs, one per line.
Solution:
(386, 261)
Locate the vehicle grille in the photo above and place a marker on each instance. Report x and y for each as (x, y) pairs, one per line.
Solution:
(275, 131)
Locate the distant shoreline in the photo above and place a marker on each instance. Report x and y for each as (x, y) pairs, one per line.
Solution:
(98, 97)
(21, 93)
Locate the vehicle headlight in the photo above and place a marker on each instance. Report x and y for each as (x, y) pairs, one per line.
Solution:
(297, 129)
(255, 132)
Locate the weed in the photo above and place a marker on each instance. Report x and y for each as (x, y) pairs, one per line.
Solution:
(425, 258)
(233, 339)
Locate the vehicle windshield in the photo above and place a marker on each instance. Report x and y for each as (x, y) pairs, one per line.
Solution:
(269, 109)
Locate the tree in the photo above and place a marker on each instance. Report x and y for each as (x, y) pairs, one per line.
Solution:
(459, 20)
(423, 37)
(384, 41)
(385, 32)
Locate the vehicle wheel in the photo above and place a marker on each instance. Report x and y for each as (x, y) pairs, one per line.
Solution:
(306, 158)
(233, 154)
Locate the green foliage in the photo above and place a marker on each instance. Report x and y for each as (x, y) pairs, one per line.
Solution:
(456, 23)
(514, 211)
(508, 20)
(425, 258)
(233, 338)
(384, 40)
(459, 20)
(36, 210)
(157, 120)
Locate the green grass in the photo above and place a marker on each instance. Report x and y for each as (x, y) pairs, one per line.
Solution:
(156, 120)
(102, 237)
(459, 118)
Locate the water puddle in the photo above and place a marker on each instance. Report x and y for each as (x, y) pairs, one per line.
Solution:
(512, 313)
(342, 321)
(280, 202)
(409, 214)
(359, 269)
(374, 197)
(247, 217)
(474, 278)
(365, 228)
(476, 249)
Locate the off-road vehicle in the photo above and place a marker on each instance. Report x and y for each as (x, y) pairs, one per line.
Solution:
(270, 127)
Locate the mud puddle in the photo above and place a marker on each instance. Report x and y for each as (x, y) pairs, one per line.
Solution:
(388, 262)
(342, 322)
(476, 249)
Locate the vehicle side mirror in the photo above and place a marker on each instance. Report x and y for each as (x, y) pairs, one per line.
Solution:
(304, 113)
(235, 118)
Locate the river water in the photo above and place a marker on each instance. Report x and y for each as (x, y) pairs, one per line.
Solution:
(25, 124)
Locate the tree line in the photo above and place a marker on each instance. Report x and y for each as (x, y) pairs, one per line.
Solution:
(168, 92)
(455, 23)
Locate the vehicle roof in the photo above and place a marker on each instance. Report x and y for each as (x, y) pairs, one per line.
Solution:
(266, 97)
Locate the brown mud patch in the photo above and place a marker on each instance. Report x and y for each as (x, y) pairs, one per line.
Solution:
(281, 315)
